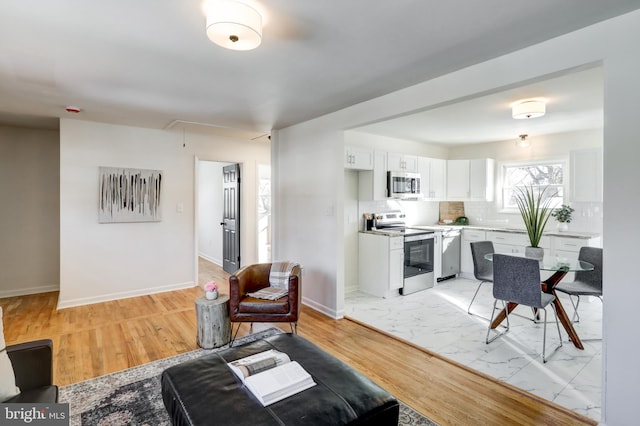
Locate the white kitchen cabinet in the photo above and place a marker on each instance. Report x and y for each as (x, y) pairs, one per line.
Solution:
(586, 175)
(466, 260)
(437, 254)
(358, 158)
(481, 185)
(458, 179)
(396, 264)
(380, 264)
(372, 184)
(470, 179)
(438, 179)
(402, 162)
(432, 178)
(514, 242)
(569, 248)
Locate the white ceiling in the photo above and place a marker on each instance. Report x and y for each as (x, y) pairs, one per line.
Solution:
(574, 102)
(149, 63)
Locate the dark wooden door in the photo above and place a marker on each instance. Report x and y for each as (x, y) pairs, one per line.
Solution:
(231, 218)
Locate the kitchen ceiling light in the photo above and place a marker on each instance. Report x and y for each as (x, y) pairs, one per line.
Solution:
(528, 109)
(523, 142)
(233, 24)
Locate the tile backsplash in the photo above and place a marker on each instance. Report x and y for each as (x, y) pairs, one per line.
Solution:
(587, 217)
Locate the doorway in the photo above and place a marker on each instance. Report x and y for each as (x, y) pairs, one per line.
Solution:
(264, 213)
(210, 210)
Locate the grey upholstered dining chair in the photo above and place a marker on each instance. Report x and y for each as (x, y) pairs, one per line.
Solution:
(587, 283)
(482, 268)
(517, 279)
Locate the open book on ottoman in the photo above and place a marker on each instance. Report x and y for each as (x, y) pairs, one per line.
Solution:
(271, 376)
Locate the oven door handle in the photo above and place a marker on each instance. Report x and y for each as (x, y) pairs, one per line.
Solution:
(419, 237)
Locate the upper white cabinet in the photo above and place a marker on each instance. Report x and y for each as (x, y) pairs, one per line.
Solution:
(458, 180)
(432, 177)
(372, 184)
(402, 162)
(481, 179)
(358, 158)
(470, 179)
(586, 175)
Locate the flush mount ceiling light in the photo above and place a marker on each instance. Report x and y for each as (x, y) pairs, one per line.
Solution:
(531, 108)
(233, 24)
(523, 142)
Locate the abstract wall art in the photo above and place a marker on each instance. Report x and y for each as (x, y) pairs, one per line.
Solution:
(129, 195)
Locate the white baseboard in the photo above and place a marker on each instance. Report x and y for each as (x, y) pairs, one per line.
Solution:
(63, 304)
(30, 290)
(351, 288)
(211, 259)
(331, 313)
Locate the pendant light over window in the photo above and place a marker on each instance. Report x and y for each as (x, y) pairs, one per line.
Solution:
(233, 24)
(523, 142)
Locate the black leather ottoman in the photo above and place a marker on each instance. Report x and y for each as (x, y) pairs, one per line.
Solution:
(204, 391)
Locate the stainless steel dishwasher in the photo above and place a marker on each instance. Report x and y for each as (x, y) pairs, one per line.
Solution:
(450, 253)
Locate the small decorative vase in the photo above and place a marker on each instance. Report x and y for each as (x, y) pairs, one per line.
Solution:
(534, 252)
(211, 295)
(563, 226)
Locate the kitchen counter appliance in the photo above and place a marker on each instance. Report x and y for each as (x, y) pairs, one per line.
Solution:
(450, 253)
(449, 250)
(419, 253)
(403, 185)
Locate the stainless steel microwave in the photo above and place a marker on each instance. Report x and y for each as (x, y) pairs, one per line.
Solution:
(403, 185)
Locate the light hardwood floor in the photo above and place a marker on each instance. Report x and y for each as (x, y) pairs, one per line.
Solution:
(94, 340)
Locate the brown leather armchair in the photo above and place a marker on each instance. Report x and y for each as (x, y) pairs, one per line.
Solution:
(243, 308)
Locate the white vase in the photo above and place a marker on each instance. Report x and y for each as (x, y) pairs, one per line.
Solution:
(563, 226)
(534, 252)
(211, 295)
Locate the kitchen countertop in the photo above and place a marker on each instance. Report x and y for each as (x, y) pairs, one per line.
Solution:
(568, 234)
(388, 233)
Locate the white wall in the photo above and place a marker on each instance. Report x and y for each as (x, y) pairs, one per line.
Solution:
(101, 262)
(352, 224)
(388, 144)
(307, 175)
(29, 211)
(317, 237)
(210, 210)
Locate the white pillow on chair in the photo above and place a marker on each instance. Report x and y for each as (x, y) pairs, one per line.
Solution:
(8, 388)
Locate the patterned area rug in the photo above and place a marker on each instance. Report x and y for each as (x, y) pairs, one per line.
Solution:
(132, 396)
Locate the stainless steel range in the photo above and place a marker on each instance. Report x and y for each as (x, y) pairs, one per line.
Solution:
(419, 250)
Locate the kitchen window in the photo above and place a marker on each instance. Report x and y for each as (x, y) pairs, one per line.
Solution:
(537, 175)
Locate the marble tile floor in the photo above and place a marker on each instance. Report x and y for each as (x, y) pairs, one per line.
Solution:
(437, 319)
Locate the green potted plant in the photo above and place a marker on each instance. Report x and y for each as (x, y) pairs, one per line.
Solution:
(535, 211)
(563, 216)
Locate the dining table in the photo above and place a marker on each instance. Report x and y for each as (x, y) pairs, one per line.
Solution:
(559, 267)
